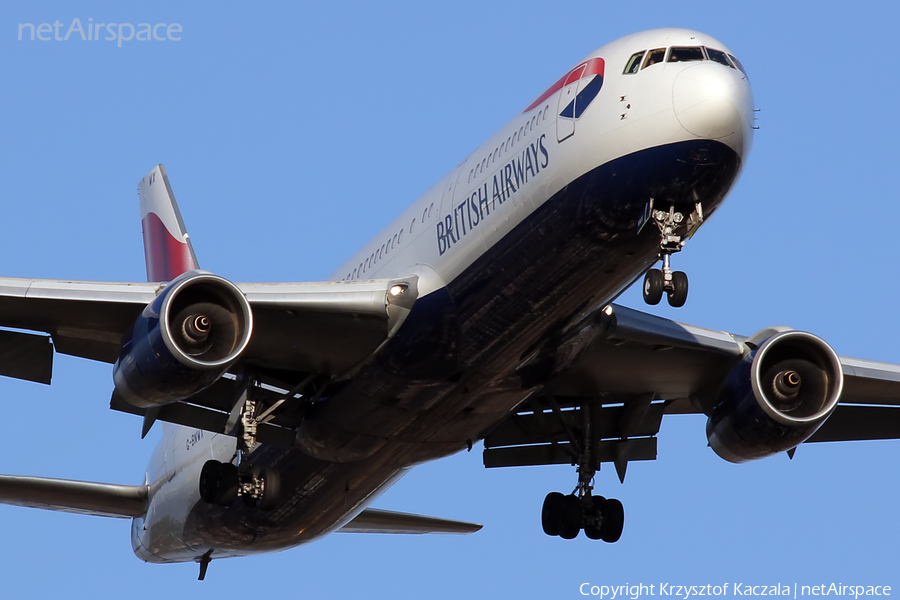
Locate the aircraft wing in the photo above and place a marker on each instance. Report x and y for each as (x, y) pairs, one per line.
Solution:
(647, 367)
(300, 329)
(323, 327)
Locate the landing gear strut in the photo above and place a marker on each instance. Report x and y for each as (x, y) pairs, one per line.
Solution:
(223, 483)
(600, 518)
(671, 240)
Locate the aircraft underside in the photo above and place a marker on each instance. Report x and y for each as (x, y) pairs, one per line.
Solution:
(457, 367)
(482, 312)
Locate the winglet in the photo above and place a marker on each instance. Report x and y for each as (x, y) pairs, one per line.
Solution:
(167, 247)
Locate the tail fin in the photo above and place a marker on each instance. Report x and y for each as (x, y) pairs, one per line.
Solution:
(167, 247)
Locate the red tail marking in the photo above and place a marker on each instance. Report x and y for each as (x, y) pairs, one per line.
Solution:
(166, 257)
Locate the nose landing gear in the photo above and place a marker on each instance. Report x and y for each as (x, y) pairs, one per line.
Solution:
(673, 283)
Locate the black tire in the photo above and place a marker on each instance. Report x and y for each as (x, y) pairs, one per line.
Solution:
(228, 485)
(593, 527)
(271, 488)
(678, 296)
(551, 513)
(613, 520)
(209, 481)
(653, 286)
(570, 518)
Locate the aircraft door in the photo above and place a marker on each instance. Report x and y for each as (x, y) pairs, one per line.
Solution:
(565, 126)
(450, 184)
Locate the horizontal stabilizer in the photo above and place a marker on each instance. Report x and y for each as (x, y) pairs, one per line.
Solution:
(84, 497)
(372, 520)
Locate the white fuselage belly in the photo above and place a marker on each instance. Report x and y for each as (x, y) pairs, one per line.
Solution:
(478, 204)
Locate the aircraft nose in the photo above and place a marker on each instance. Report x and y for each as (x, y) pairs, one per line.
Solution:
(712, 101)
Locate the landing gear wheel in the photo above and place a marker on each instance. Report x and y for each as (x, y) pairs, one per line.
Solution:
(551, 512)
(613, 521)
(228, 485)
(267, 485)
(218, 483)
(209, 481)
(271, 482)
(593, 526)
(653, 286)
(570, 518)
(677, 296)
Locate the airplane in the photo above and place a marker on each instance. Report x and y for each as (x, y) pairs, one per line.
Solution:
(484, 312)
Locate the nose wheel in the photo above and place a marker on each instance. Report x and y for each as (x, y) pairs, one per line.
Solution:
(673, 283)
(674, 232)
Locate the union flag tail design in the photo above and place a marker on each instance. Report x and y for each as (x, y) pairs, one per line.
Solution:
(167, 247)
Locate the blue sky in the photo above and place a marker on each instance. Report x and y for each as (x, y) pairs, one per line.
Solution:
(293, 132)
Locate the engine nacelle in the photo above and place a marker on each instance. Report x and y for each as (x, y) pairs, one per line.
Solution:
(184, 340)
(776, 398)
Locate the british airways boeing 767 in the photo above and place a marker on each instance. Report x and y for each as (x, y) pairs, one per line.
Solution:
(483, 312)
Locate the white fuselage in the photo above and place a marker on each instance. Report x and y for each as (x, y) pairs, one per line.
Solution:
(473, 208)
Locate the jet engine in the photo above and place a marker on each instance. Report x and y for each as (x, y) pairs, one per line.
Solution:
(184, 340)
(775, 398)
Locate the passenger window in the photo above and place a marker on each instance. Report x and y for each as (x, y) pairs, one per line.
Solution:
(677, 54)
(718, 56)
(634, 63)
(739, 65)
(656, 55)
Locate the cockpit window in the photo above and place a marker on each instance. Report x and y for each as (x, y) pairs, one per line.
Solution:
(719, 57)
(739, 65)
(682, 54)
(634, 63)
(654, 56)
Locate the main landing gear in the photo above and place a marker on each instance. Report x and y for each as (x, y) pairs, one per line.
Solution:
(565, 516)
(673, 283)
(223, 483)
(600, 518)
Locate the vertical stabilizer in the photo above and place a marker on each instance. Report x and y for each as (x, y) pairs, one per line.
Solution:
(167, 247)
